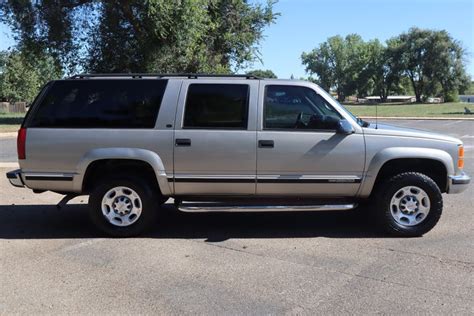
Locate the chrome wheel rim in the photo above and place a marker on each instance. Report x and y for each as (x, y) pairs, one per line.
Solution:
(121, 206)
(410, 206)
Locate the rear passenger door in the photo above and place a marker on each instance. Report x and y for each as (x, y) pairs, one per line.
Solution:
(215, 137)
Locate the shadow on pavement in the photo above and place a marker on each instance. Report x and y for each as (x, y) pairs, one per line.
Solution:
(72, 221)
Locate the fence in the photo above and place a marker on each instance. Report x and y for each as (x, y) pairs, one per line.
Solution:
(14, 107)
(467, 98)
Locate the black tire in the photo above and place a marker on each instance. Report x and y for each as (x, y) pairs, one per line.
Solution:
(382, 209)
(150, 202)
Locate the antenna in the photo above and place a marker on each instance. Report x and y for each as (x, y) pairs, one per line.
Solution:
(377, 115)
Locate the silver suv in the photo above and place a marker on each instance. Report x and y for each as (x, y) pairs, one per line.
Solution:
(227, 143)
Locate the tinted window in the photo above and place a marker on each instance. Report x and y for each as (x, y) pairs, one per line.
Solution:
(100, 103)
(293, 107)
(220, 106)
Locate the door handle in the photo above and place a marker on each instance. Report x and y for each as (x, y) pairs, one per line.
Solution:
(183, 142)
(266, 144)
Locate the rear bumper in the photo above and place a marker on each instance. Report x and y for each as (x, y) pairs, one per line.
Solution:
(15, 178)
(458, 183)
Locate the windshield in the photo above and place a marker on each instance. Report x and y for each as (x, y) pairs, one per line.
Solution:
(359, 121)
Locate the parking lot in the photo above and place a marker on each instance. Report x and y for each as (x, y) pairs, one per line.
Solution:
(54, 261)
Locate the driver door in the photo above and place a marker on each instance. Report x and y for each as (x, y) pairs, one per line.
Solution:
(299, 150)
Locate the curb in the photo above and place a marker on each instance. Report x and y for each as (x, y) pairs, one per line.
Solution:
(433, 118)
(8, 134)
(9, 165)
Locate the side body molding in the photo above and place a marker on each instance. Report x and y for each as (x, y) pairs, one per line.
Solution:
(124, 153)
(391, 153)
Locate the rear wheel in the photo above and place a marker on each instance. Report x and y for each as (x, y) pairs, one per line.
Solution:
(408, 204)
(123, 206)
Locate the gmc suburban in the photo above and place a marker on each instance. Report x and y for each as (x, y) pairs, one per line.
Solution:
(227, 143)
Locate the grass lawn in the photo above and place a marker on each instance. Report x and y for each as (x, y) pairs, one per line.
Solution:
(10, 122)
(413, 110)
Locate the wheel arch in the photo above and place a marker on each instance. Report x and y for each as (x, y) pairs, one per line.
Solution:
(435, 163)
(93, 160)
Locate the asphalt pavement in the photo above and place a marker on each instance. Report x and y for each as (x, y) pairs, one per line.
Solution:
(54, 261)
(8, 149)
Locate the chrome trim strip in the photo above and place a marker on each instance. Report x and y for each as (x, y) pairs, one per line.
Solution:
(49, 176)
(267, 179)
(210, 176)
(209, 207)
(43, 178)
(312, 177)
(46, 174)
(213, 179)
(303, 180)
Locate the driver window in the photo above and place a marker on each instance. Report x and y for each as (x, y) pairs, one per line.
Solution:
(294, 107)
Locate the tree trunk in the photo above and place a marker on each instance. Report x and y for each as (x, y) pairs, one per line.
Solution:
(417, 88)
(340, 96)
(383, 95)
(418, 96)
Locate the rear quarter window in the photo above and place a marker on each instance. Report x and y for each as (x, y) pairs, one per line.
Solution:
(100, 104)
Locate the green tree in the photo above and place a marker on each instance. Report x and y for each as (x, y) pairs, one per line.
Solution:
(338, 64)
(18, 81)
(3, 63)
(141, 36)
(384, 68)
(3, 60)
(433, 61)
(262, 73)
(321, 64)
(469, 89)
(21, 78)
(420, 62)
(449, 67)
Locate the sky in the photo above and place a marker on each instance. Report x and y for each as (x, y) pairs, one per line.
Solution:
(303, 24)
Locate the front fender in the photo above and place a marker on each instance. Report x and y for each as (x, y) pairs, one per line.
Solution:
(145, 155)
(392, 153)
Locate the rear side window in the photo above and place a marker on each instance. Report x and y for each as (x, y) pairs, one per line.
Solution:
(100, 104)
(216, 106)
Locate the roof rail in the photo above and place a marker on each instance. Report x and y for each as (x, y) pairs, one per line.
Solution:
(160, 75)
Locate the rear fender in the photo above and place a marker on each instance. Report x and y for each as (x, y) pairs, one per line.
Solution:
(145, 155)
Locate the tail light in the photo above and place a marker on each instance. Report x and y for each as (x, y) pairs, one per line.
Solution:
(21, 143)
(461, 157)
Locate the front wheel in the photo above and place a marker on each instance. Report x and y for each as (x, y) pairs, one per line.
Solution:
(408, 204)
(123, 206)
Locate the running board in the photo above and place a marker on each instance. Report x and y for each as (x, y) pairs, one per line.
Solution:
(198, 207)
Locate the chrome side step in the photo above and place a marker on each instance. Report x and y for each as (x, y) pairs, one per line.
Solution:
(198, 207)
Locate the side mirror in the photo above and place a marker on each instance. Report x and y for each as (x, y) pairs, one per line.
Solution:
(344, 127)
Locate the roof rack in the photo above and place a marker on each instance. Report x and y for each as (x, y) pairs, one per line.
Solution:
(159, 75)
